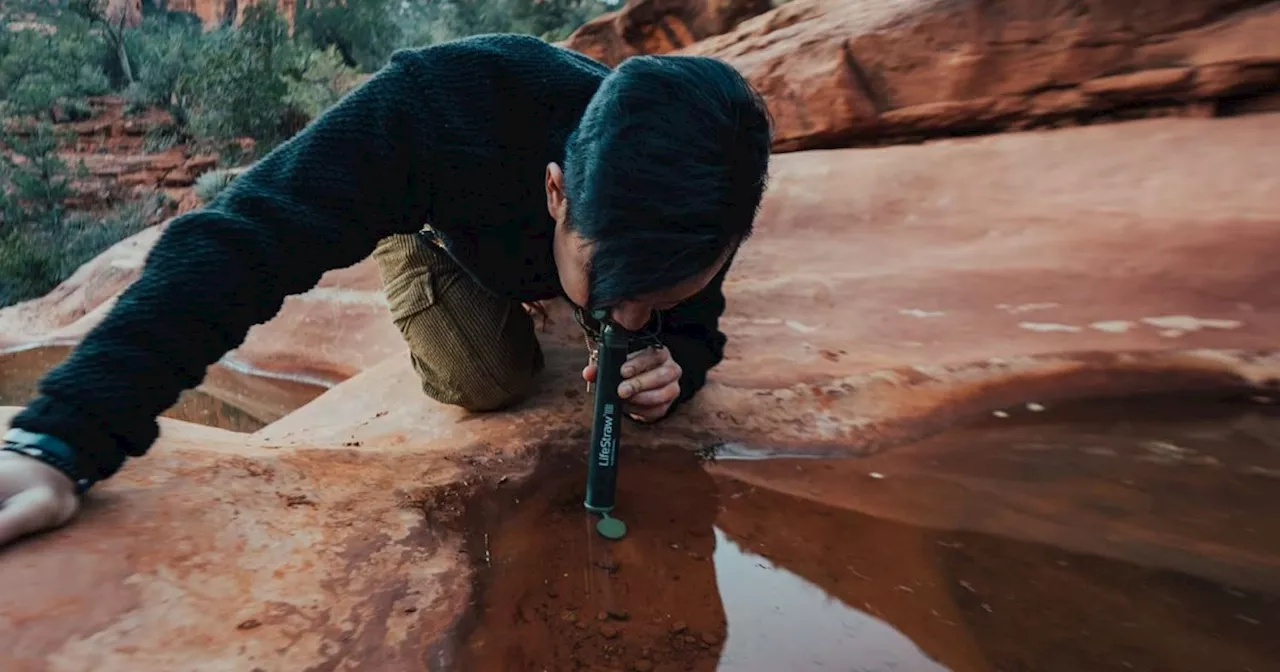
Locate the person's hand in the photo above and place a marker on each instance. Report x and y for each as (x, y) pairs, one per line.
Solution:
(650, 383)
(33, 497)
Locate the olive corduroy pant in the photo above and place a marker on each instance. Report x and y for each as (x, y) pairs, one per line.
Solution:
(469, 347)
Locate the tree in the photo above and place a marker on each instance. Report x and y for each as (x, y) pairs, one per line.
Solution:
(50, 66)
(34, 185)
(114, 19)
(364, 32)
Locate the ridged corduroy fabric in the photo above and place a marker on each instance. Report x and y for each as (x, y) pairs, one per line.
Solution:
(471, 348)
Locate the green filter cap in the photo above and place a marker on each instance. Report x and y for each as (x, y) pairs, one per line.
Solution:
(611, 528)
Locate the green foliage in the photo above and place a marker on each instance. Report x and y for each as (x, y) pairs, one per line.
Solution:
(57, 65)
(163, 50)
(234, 86)
(228, 83)
(318, 80)
(161, 138)
(35, 183)
(363, 33)
(34, 180)
(210, 184)
(35, 261)
(552, 20)
(254, 81)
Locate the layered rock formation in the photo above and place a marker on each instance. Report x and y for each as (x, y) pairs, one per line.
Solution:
(112, 149)
(659, 26)
(938, 281)
(838, 73)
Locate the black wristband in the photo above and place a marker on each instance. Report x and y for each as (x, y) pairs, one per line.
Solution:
(52, 451)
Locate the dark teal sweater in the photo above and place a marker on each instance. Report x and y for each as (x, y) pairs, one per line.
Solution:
(456, 135)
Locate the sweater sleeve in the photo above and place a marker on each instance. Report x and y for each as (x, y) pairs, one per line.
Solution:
(691, 331)
(359, 172)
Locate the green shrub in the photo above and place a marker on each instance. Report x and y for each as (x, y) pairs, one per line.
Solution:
(40, 69)
(210, 184)
(34, 261)
(363, 34)
(552, 20)
(34, 180)
(233, 87)
(162, 53)
(253, 81)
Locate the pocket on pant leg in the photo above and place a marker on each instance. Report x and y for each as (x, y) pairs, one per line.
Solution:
(407, 266)
(409, 295)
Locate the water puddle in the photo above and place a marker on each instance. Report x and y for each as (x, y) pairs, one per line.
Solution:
(776, 619)
(226, 399)
(1109, 535)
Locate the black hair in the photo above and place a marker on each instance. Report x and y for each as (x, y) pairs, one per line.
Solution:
(665, 172)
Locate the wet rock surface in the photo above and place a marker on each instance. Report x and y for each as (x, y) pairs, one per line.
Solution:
(1106, 535)
(945, 560)
(940, 284)
(837, 73)
(1109, 534)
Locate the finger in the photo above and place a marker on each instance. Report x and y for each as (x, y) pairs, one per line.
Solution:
(650, 416)
(658, 398)
(650, 380)
(589, 373)
(645, 360)
(28, 511)
(647, 413)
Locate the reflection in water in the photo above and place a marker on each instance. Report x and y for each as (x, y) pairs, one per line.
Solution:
(1115, 535)
(779, 621)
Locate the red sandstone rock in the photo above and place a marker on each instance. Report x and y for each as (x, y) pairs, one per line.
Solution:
(889, 292)
(216, 12)
(958, 276)
(839, 73)
(186, 199)
(221, 534)
(932, 240)
(126, 13)
(319, 338)
(65, 314)
(328, 334)
(170, 168)
(111, 148)
(659, 27)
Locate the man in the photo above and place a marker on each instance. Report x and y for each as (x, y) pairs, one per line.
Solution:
(482, 174)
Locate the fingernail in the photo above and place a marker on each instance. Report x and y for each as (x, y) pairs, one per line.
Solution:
(628, 370)
(624, 391)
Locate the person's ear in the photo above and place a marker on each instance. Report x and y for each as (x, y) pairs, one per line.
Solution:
(557, 204)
